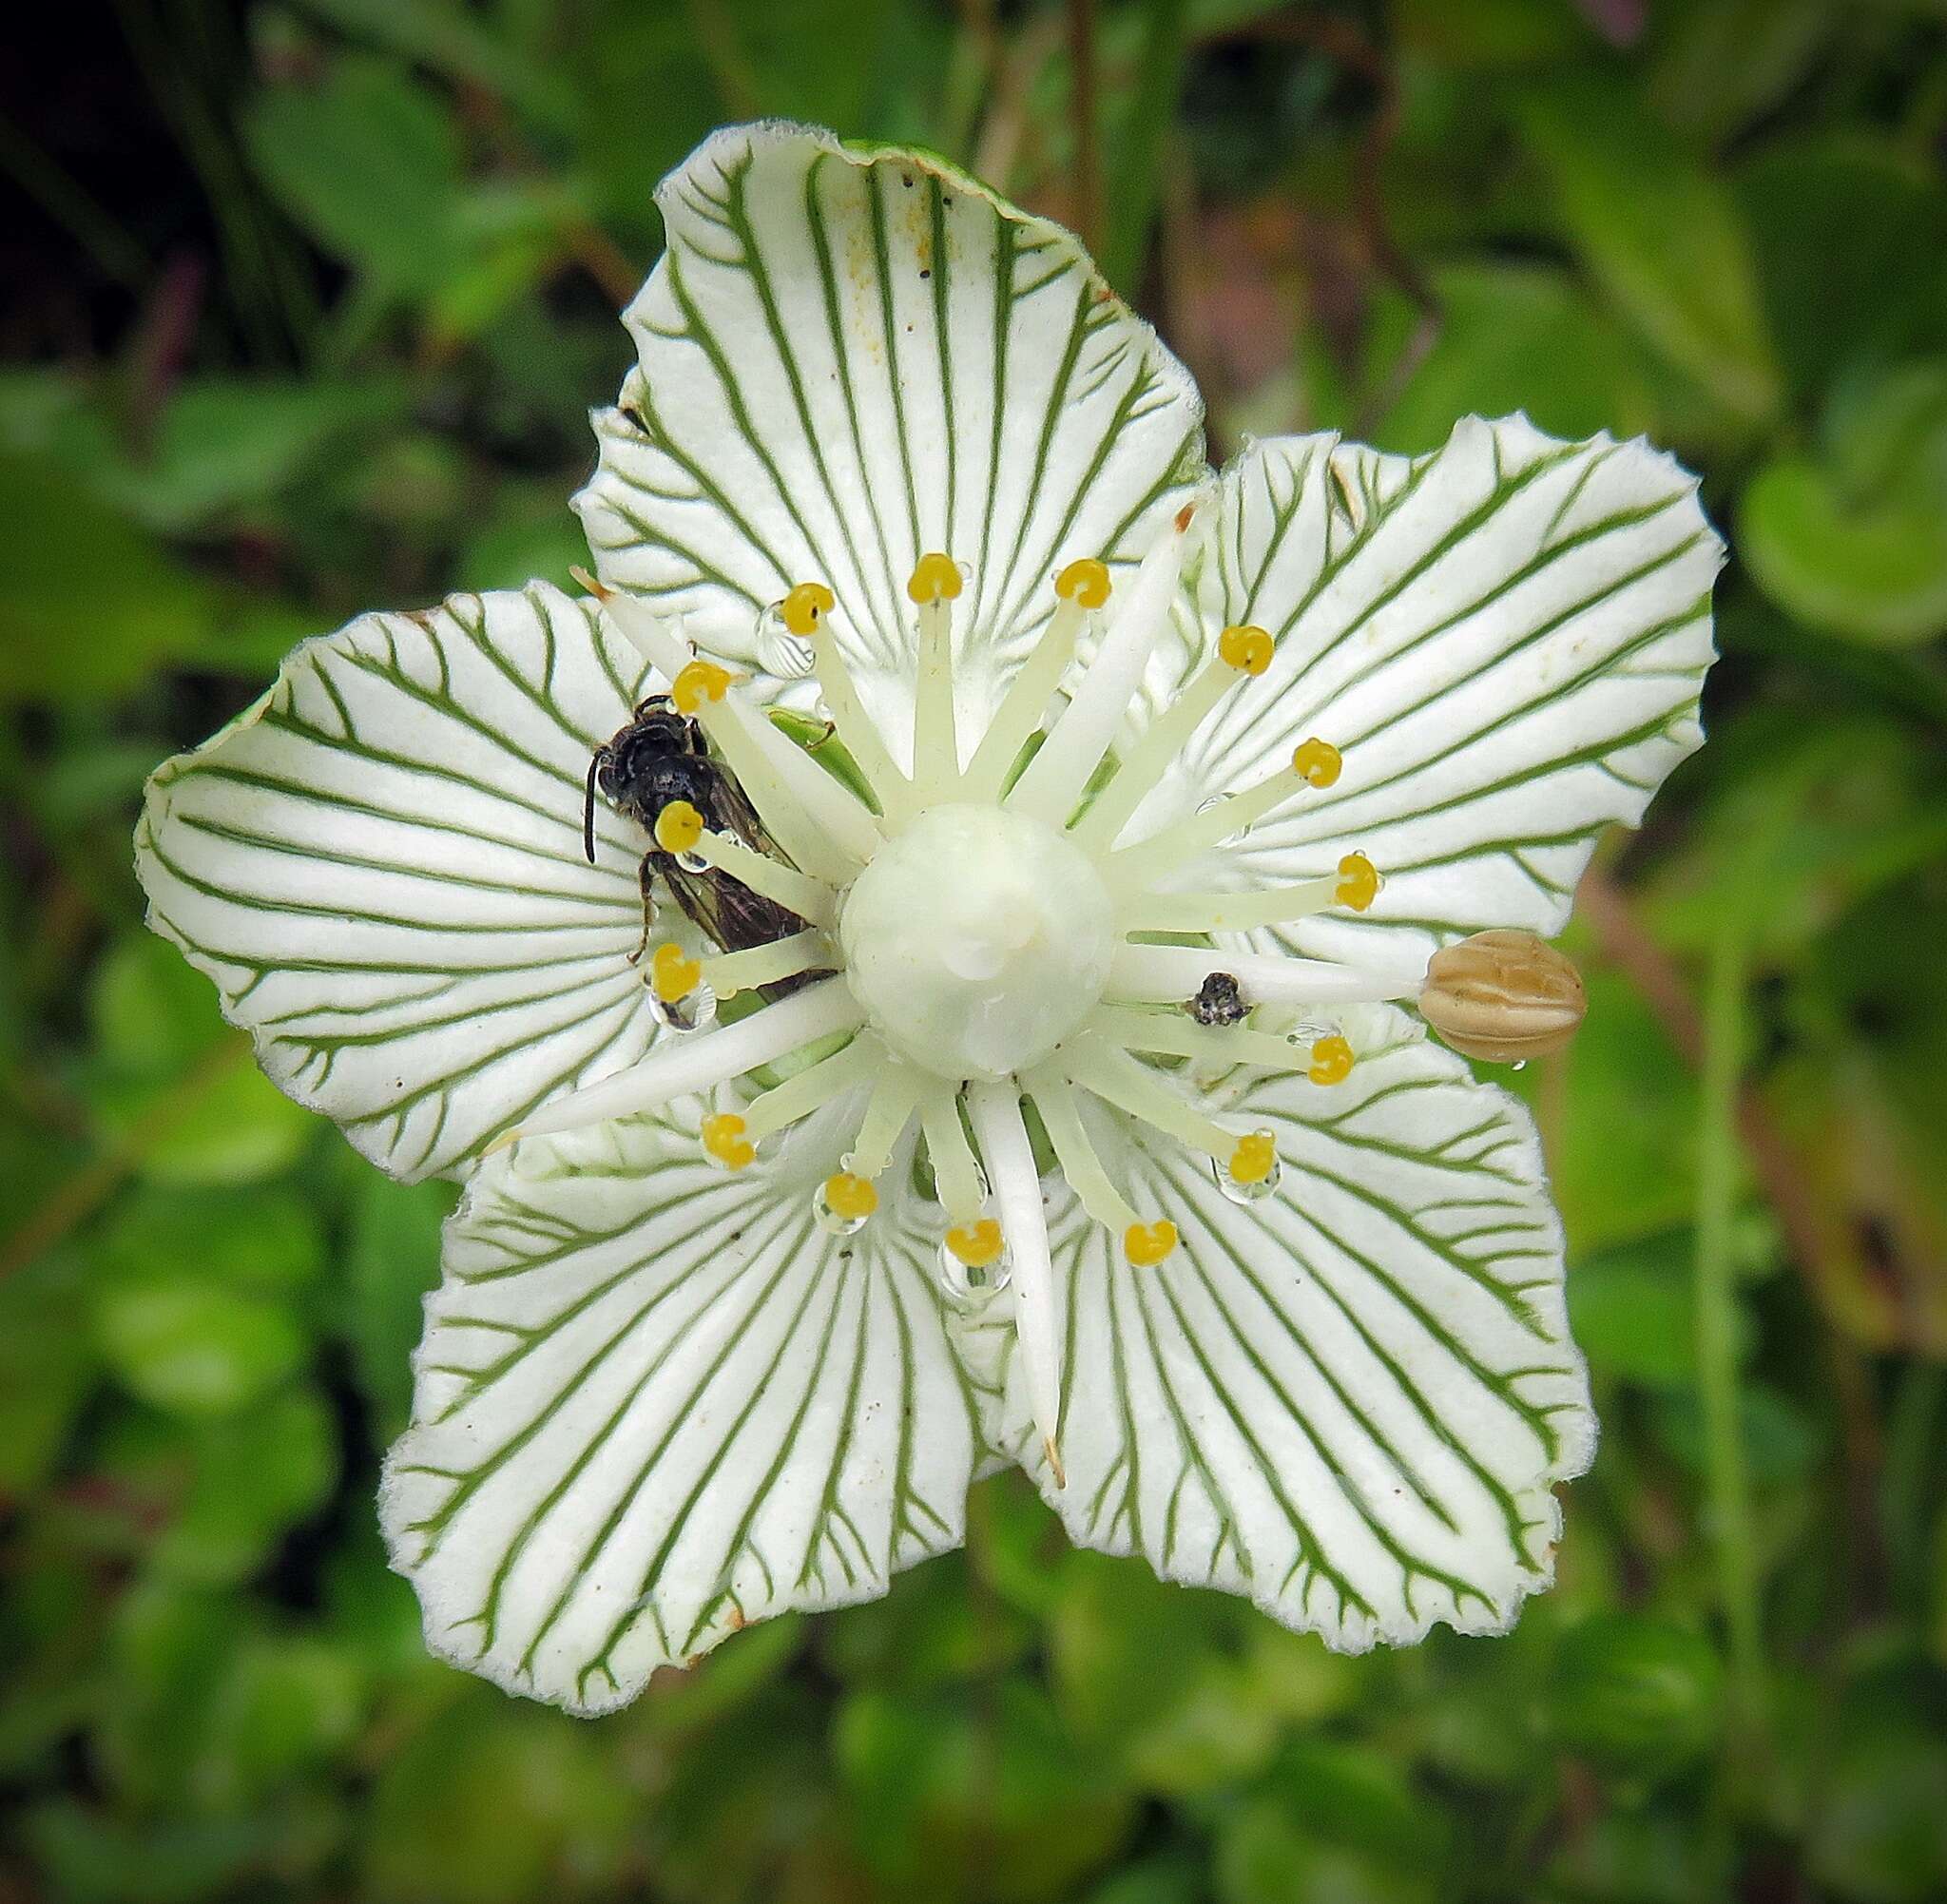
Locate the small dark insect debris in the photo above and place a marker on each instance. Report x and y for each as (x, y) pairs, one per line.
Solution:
(906, 180)
(924, 272)
(1219, 1001)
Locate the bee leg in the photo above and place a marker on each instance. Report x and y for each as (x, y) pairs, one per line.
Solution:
(646, 878)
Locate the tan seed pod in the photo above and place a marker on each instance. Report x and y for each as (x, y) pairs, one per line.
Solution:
(1503, 997)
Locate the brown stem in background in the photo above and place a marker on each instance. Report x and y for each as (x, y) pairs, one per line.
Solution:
(1342, 40)
(83, 1194)
(1084, 120)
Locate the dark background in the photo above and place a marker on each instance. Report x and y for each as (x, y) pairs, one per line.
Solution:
(303, 306)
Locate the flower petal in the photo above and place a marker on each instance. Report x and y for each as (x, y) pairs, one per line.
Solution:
(381, 865)
(656, 1401)
(1348, 1401)
(1506, 638)
(850, 358)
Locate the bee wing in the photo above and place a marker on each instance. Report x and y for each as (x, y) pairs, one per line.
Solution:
(723, 910)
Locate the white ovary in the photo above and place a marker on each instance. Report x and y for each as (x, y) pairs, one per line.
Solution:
(977, 940)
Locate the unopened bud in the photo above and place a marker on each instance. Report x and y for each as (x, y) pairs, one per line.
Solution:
(1503, 997)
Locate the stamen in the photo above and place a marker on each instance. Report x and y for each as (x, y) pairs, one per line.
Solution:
(1169, 1034)
(955, 1170)
(1331, 1061)
(894, 1096)
(680, 828)
(978, 1244)
(1074, 1152)
(1358, 882)
(854, 724)
(679, 1066)
(1080, 588)
(804, 611)
(1053, 783)
(727, 974)
(1170, 974)
(816, 821)
(1147, 859)
(1134, 1087)
(1229, 911)
(1166, 735)
(723, 1138)
(1253, 1158)
(673, 974)
(995, 1109)
(1147, 1244)
(933, 584)
(699, 681)
(849, 1199)
(813, 1088)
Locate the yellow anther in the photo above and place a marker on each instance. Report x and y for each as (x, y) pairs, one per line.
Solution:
(1315, 760)
(679, 826)
(1253, 1158)
(725, 1139)
(977, 1245)
(935, 579)
(1248, 651)
(700, 681)
(850, 1197)
(1331, 1061)
(1358, 882)
(806, 607)
(1085, 583)
(1147, 1243)
(673, 974)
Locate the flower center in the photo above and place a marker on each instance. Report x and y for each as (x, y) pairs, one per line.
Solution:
(976, 940)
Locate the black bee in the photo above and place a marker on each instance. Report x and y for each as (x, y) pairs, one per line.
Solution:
(662, 757)
(1219, 1001)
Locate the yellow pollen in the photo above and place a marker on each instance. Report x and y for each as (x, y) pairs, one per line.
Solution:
(1316, 761)
(700, 681)
(847, 1196)
(806, 607)
(1147, 1243)
(1331, 1061)
(673, 973)
(977, 1245)
(1253, 1158)
(1085, 583)
(935, 579)
(1358, 882)
(1248, 651)
(679, 826)
(725, 1139)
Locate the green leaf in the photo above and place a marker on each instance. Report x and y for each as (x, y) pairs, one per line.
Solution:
(1876, 576)
(1658, 231)
(1518, 336)
(391, 1265)
(88, 604)
(1636, 1694)
(193, 1348)
(368, 161)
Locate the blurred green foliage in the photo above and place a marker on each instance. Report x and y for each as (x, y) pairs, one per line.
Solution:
(303, 316)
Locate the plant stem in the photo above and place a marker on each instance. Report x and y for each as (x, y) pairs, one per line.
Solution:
(1151, 113)
(1727, 1483)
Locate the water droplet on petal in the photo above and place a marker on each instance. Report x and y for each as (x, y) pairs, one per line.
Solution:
(1245, 1192)
(687, 1014)
(967, 1287)
(777, 650)
(1520, 1063)
(692, 862)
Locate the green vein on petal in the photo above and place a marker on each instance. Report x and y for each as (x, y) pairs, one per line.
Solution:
(1350, 1400)
(850, 358)
(380, 866)
(1506, 638)
(655, 1402)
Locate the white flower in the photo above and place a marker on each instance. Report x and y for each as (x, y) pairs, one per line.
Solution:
(733, 1315)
